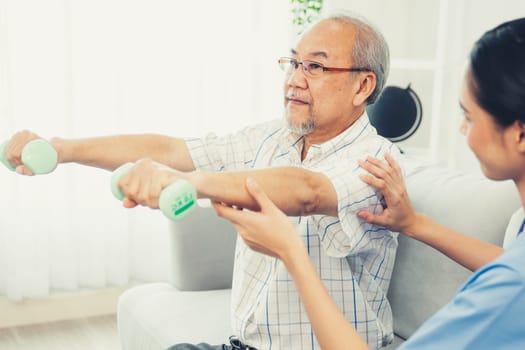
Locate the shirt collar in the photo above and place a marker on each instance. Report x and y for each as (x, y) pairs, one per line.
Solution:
(359, 129)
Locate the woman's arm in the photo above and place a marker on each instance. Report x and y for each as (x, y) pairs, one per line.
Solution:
(400, 216)
(332, 329)
(270, 232)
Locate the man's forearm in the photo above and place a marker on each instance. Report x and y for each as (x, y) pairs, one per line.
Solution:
(294, 190)
(111, 151)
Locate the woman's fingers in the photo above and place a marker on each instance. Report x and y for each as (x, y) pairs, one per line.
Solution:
(381, 174)
(243, 217)
(264, 231)
(227, 212)
(392, 163)
(371, 218)
(387, 177)
(381, 169)
(259, 195)
(373, 181)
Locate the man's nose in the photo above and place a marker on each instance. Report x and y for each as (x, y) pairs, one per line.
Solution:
(297, 78)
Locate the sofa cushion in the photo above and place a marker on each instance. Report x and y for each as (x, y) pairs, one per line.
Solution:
(423, 279)
(513, 227)
(155, 316)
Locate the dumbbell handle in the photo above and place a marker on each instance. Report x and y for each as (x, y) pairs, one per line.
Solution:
(37, 155)
(176, 201)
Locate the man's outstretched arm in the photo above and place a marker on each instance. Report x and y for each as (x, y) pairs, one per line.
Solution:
(296, 191)
(106, 152)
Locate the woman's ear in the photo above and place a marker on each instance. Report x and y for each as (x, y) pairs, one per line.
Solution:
(367, 84)
(519, 132)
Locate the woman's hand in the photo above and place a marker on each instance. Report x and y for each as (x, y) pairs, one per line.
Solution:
(386, 176)
(266, 231)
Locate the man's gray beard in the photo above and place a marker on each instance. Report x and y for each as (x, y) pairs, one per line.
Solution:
(302, 129)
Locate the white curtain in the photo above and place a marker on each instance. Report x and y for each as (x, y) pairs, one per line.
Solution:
(76, 68)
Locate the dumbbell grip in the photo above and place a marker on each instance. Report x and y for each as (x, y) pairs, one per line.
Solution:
(176, 201)
(37, 155)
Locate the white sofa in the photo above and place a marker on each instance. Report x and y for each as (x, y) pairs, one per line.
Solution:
(195, 307)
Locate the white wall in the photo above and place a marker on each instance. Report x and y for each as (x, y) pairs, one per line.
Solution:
(430, 41)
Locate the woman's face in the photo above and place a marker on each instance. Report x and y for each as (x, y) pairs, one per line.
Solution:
(488, 141)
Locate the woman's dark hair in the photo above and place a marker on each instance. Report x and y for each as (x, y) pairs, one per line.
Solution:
(497, 72)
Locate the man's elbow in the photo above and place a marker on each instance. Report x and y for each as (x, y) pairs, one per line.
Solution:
(310, 206)
(320, 197)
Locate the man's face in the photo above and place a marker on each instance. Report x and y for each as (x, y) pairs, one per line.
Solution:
(322, 106)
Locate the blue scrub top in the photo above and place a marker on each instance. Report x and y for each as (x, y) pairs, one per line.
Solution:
(488, 312)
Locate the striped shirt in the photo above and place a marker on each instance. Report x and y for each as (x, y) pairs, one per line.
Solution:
(353, 258)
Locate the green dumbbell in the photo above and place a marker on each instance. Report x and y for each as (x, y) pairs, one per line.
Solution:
(176, 201)
(38, 156)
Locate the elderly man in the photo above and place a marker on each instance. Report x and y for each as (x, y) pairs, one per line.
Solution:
(306, 163)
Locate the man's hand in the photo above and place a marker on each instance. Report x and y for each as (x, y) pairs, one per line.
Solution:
(144, 182)
(13, 150)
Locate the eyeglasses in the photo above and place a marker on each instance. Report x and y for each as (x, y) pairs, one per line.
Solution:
(313, 69)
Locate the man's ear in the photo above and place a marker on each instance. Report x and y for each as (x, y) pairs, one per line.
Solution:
(367, 84)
